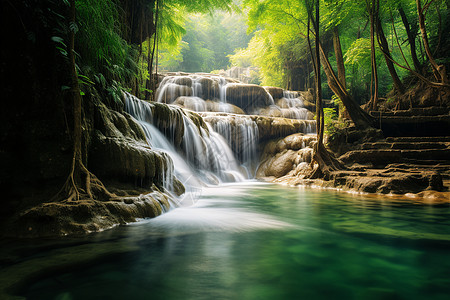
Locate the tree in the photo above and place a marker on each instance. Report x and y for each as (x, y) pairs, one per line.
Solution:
(325, 161)
(80, 183)
(411, 31)
(382, 42)
(439, 71)
(373, 8)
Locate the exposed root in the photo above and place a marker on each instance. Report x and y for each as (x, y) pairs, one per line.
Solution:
(323, 163)
(75, 188)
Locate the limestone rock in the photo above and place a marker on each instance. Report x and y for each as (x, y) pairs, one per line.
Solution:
(276, 92)
(289, 155)
(248, 97)
(85, 216)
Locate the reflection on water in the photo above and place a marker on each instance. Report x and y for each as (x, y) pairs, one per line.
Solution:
(257, 241)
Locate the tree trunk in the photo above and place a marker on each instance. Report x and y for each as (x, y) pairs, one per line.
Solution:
(339, 57)
(360, 118)
(80, 182)
(438, 71)
(372, 105)
(77, 101)
(323, 161)
(340, 66)
(411, 39)
(398, 85)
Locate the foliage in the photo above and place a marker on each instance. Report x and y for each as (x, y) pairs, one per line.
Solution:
(103, 55)
(330, 118)
(208, 41)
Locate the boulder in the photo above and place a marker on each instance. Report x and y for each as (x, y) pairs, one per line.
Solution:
(286, 156)
(214, 106)
(249, 97)
(171, 91)
(276, 92)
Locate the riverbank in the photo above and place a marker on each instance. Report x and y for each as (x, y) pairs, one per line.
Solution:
(426, 197)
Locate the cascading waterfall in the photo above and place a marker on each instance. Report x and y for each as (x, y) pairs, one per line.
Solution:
(242, 138)
(224, 146)
(292, 106)
(209, 93)
(206, 158)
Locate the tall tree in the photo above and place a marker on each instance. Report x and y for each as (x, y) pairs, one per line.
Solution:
(439, 71)
(411, 32)
(384, 46)
(80, 183)
(372, 9)
(323, 161)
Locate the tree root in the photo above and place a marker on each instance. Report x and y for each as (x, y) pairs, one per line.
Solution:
(75, 188)
(323, 163)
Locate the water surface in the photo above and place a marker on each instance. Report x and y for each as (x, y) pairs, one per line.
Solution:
(258, 241)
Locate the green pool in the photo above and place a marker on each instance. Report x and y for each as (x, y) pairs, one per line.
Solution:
(250, 241)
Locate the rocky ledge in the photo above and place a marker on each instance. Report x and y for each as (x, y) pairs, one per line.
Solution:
(84, 216)
(415, 167)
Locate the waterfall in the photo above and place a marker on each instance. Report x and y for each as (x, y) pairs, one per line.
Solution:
(223, 145)
(292, 106)
(207, 92)
(204, 158)
(242, 137)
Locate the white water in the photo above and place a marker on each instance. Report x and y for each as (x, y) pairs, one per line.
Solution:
(226, 149)
(242, 138)
(195, 89)
(207, 158)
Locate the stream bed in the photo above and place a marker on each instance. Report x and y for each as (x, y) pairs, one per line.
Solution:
(250, 241)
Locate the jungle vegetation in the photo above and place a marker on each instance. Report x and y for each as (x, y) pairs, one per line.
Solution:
(367, 52)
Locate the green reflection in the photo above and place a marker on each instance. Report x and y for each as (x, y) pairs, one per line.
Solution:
(283, 243)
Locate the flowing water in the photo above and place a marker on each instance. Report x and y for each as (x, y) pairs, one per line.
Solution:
(252, 241)
(239, 239)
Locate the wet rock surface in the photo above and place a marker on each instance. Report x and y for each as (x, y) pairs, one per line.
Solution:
(416, 166)
(120, 157)
(86, 215)
(286, 156)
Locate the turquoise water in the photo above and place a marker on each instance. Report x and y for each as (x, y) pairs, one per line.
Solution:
(257, 241)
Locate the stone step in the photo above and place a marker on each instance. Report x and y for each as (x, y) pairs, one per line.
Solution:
(405, 145)
(418, 139)
(425, 111)
(442, 168)
(427, 154)
(383, 157)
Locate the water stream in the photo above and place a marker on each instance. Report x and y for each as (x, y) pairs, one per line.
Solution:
(240, 239)
(254, 241)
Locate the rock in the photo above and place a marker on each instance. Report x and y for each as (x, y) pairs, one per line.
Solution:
(276, 92)
(281, 164)
(214, 106)
(290, 155)
(169, 120)
(172, 91)
(270, 111)
(415, 125)
(249, 97)
(272, 128)
(209, 88)
(435, 182)
(85, 216)
(127, 161)
(379, 157)
(191, 103)
(385, 181)
(268, 127)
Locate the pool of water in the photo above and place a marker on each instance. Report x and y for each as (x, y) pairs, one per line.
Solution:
(253, 241)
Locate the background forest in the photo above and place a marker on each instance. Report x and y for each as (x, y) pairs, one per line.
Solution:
(270, 35)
